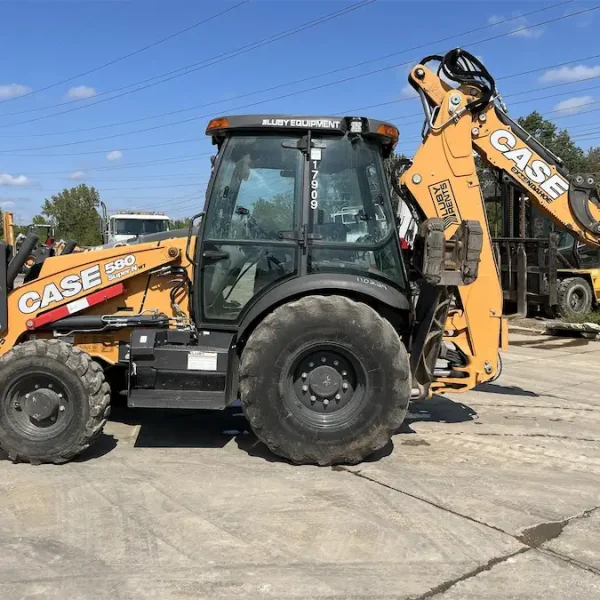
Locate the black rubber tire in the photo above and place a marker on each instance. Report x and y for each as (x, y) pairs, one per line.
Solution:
(566, 289)
(87, 390)
(316, 321)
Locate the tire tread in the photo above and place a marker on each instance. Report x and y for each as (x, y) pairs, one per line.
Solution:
(92, 377)
(310, 307)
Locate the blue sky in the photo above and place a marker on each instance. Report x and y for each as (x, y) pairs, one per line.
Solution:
(45, 42)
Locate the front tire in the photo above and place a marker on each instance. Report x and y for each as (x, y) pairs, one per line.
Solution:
(54, 402)
(324, 380)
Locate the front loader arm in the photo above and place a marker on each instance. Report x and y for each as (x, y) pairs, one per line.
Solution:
(121, 282)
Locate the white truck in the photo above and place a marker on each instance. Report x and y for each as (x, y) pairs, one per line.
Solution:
(127, 225)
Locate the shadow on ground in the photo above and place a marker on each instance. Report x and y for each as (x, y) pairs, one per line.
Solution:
(103, 445)
(182, 428)
(550, 343)
(215, 429)
(212, 429)
(509, 390)
(440, 409)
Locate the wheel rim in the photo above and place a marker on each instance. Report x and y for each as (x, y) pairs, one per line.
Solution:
(326, 385)
(37, 406)
(577, 300)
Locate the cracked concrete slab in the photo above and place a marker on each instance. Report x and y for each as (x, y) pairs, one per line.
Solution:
(172, 505)
(529, 576)
(154, 521)
(580, 540)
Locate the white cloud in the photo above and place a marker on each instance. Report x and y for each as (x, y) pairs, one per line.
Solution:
(7, 204)
(569, 74)
(81, 92)
(77, 175)
(516, 26)
(8, 179)
(572, 105)
(114, 155)
(522, 31)
(13, 90)
(408, 91)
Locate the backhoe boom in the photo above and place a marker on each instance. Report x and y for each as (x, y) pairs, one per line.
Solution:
(442, 183)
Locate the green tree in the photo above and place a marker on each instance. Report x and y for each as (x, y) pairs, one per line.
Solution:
(593, 160)
(180, 223)
(39, 220)
(73, 213)
(558, 141)
(274, 214)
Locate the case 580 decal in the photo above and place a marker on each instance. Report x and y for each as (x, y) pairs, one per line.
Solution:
(75, 283)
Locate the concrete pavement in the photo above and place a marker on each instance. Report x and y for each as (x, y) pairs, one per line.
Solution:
(490, 494)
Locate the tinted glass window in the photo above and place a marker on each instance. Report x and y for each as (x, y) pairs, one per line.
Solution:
(229, 284)
(253, 196)
(348, 191)
(139, 226)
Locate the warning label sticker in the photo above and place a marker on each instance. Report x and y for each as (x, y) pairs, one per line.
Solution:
(202, 361)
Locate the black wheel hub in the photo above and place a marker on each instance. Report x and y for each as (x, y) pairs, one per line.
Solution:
(37, 406)
(577, 300)
(326, 380)
(42, 404)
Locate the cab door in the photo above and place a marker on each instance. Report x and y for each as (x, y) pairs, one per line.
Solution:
(351, 227)
(249, 242)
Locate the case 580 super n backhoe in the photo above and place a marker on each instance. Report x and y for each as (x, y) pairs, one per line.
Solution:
(291, 294)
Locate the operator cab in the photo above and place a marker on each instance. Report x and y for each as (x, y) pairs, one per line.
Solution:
(295, 196)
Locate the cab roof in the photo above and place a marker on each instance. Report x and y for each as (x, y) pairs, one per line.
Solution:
(386, 133)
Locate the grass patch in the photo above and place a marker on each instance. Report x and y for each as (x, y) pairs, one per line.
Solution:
(590, 317)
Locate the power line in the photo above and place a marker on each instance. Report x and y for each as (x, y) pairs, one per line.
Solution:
(185, 202)
(84, 177)
(532, 99)
(148, 163)
(202, 64)
(129, 55)
(146, 205)
(348, 111)
(531, 91)
(317, 76)
(414, 139)
(105, 151)
(290, 94)
(154, 187)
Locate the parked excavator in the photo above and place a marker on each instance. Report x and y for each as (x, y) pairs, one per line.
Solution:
(291, 292)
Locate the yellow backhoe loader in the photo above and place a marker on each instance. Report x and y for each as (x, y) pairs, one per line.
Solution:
(290, 293)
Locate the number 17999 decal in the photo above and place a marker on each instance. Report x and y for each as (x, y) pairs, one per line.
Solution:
(120, 267)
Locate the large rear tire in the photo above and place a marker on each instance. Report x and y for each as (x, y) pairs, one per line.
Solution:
(54, 402)
(324, 380)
